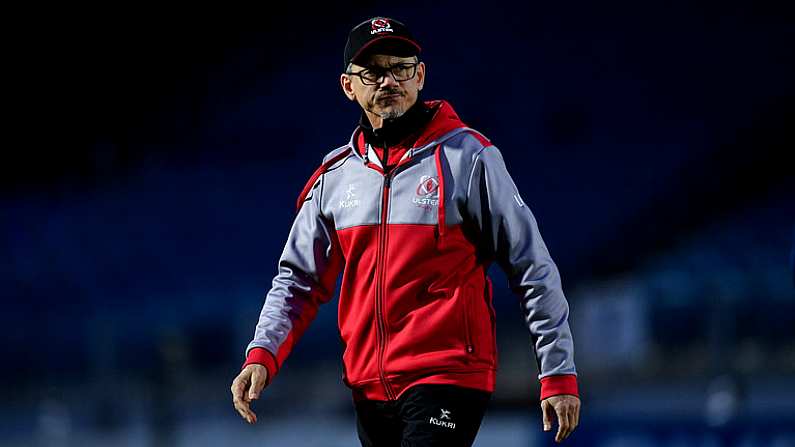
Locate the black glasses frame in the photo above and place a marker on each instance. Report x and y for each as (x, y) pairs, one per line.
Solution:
(380, 72)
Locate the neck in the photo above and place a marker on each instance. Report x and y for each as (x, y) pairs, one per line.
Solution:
(388, 132)
(376, 122)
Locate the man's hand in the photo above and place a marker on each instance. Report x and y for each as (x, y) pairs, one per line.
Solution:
(567, 409)
(246, 387)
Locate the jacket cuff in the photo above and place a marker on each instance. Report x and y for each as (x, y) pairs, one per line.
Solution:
(261, 356)
(557, 385)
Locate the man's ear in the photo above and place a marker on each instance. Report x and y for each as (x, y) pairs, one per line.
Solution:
(347, 88)
(421, 76)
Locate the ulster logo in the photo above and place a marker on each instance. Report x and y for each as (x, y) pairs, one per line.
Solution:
(428, 185)
(427, 192)
(380, 26)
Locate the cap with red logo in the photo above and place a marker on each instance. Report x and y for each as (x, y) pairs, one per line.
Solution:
(380, 35)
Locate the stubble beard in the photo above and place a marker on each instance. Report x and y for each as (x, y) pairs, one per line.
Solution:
(387, 114)
(394, 109)
(391, 114)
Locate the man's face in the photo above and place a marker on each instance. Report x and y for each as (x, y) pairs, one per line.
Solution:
(388, 98)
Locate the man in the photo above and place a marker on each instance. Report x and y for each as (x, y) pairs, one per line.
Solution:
(412, 211)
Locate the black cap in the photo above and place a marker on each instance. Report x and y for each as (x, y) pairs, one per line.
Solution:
(380, 35)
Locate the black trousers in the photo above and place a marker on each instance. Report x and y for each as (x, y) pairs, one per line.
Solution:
(424, 416)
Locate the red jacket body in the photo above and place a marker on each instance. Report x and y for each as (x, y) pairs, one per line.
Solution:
(413, 245)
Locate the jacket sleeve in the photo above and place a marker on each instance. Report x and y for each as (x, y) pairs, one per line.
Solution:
(306, 277)
(509, 234)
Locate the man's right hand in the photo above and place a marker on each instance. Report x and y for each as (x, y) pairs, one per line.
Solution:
(246, 388)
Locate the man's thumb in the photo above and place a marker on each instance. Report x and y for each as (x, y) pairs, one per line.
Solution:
(546, 414)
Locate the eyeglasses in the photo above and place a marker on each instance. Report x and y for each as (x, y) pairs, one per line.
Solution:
(374, 75)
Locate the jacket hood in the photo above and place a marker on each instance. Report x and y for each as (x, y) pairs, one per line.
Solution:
(444, 124)
(444, 121)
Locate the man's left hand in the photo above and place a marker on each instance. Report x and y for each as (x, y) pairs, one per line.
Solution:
(567, 409)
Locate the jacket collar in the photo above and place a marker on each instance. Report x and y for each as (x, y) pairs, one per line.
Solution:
(443, 124)
(395, 131)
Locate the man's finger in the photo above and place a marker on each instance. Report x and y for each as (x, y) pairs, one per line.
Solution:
(546, 410)
(563, 424)
(570, 419)
(240, 408)
(257, 383)
(240, 397)
(244, 411)
(238, 386)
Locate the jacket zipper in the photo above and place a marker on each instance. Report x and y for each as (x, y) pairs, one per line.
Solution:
(470, 348)
(381, 328)
(489, 305)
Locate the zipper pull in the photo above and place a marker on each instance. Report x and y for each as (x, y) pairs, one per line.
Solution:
(388, 180)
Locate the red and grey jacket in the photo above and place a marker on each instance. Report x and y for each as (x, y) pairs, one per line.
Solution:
(413, 246)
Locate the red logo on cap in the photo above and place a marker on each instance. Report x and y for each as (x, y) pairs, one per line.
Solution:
(381, 25)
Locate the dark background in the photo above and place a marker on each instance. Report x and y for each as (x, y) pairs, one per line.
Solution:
(152, 160)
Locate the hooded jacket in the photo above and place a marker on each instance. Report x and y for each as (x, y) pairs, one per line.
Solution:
(414, 245)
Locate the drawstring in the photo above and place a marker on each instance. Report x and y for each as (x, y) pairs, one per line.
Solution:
(440, 174)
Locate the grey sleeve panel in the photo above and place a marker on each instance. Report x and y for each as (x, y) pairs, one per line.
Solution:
(306, 277)
(509, 234)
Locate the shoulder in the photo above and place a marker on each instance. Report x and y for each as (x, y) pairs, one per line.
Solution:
(331, 160)
(337, 154)
(464, 147)
(469, 141)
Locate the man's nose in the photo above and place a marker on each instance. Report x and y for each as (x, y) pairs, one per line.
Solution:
(387, 80)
